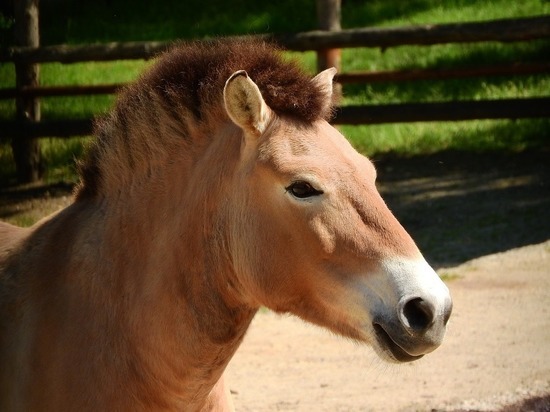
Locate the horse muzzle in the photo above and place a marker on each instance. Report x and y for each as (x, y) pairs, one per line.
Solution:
(417, 328)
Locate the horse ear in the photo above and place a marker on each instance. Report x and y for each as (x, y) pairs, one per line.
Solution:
(324, 82)
(244, 103)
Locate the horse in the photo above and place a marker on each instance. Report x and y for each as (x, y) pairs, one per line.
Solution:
(215, 186)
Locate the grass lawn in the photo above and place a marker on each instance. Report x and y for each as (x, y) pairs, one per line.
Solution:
(66, 21)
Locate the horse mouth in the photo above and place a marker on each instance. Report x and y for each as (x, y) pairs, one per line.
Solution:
(392, 348)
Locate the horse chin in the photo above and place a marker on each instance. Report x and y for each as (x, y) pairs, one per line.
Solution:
(389, 350)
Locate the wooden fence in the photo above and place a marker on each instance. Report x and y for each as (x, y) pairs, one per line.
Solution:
(504, 30)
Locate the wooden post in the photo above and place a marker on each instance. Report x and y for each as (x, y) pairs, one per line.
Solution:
(328, 17)
(26, 150)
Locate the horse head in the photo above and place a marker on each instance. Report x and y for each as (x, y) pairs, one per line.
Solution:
(313, 237)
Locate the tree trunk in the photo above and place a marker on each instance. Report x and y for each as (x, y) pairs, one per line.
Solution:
(26, 151)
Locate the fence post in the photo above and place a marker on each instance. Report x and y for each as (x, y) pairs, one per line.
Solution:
(26, 151)
(328, 17)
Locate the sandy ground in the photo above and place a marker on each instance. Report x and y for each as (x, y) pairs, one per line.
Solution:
(496, 352)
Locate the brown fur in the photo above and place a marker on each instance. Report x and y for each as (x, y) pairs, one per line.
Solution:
(185, 88)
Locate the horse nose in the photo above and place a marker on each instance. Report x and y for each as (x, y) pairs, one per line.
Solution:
(418, 315)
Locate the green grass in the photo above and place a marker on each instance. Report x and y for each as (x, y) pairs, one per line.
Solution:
(356, 13)
(72, 22)
(429, 137)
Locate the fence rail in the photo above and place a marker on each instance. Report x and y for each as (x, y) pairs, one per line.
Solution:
(353, 115)
(503, 30)
(444, 111)
(513, 69)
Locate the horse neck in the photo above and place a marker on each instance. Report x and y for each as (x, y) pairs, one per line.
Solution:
(171, 264)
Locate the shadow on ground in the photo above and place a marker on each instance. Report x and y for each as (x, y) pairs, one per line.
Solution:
(32, 202)
(535, 404)
(459, 206)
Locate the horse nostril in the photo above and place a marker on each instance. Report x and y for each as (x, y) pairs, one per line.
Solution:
(419, 314)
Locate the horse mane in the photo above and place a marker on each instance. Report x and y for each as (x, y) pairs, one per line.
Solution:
(181, 98)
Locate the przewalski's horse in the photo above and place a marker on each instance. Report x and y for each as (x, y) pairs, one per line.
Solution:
(214, 187)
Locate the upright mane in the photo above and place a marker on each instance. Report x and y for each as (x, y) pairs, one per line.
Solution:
(180, 100)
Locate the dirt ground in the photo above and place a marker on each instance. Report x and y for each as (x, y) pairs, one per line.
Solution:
(483, 221)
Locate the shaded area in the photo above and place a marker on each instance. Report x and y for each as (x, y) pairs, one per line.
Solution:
(29, 203)
(459, 206)
(534, 404)
(113, 20)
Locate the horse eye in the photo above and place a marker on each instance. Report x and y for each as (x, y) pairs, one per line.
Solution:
(303, 190)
